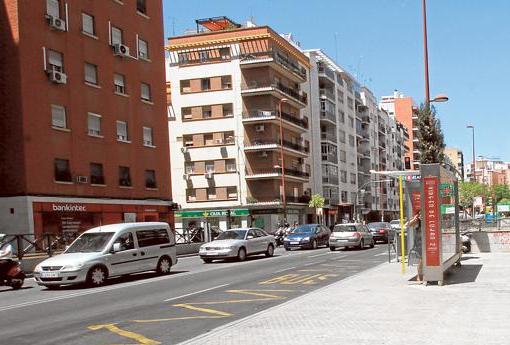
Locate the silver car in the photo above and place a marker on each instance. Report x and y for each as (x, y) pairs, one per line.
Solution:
(238, 243)
(350, 235)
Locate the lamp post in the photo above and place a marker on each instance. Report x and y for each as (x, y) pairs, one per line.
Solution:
(473, 173)
(284, 199)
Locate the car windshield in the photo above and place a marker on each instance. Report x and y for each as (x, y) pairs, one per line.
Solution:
(304, 229)
(90, 242)
(372, 226)
(232, 235)
(344, 228)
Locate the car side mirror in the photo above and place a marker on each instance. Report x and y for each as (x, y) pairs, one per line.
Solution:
(249, 237)
(115, 248)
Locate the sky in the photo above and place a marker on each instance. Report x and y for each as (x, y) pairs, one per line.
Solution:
(381, 42)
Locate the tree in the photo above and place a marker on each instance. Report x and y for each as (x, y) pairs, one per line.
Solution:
(316, 202)
(470, 190)
(430, 137)
(500, 192)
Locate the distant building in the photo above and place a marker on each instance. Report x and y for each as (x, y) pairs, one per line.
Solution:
(489, 171)
(456, 159)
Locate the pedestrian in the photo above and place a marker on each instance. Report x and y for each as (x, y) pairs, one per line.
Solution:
(415, 224)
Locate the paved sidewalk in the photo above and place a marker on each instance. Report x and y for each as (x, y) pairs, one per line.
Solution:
(381, 306)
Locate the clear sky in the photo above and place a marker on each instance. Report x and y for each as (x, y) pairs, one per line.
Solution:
(381, 42)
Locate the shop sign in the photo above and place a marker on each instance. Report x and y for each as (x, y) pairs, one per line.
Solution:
(432, 220)
(212, 214)
(413, 177)
(503, 207)
(68, 208)
(447, 209)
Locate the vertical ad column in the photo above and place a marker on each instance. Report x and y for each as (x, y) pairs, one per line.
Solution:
(432, 221)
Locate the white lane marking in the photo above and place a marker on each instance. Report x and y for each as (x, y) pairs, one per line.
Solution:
(316, 255)
(381, 254)
(195, 293)
(285, 269)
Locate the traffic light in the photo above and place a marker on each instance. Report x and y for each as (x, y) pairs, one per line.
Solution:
(407, 163)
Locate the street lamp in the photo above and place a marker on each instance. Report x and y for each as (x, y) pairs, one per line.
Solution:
(284, 200)
(473, 173)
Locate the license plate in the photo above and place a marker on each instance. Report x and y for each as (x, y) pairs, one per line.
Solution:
(211, 253)
(49, 274)
(294, 242)
(340, 240)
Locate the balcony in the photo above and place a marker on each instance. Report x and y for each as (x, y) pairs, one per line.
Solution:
(289, 121)
(326, 72)
(330, 158)
(364, 154)
(274, 58)
(326, 93)
(296, 97)
(276, 200)
(365, 120)
(382, 130)
(328, 116)
(329, 136)
(290, 174)
(330, 179)
(273, 145)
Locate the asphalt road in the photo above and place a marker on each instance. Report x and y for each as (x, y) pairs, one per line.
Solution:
(194, 299)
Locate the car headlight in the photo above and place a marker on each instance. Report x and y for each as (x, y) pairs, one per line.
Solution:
(38, 268)
(305, 239)
(72, 267)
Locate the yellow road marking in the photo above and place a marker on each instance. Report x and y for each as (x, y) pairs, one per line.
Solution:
(203, 310)
(294, 279)
(316, 270)
(178, 318)
(126, 334)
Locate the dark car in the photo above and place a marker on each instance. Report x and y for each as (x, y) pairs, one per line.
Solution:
(307, 236)
(381, 231)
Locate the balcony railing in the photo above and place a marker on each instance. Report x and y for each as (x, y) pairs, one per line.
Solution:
(278, 58)
(296, 94)
(326, 71)
(261, 114)
(303, 199)
(330, 158)
(286, 144)
(290, 172)
(331, 179)
(325, 114)
(328, 136)
(328, 93)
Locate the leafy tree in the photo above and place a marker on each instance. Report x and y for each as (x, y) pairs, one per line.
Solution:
(316, 202)
(469, 190)
(430, 137)
(500, 192)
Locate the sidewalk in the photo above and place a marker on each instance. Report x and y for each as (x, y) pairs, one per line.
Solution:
(381, 306)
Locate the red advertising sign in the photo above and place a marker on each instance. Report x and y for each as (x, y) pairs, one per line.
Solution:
(432, 220)
(416, 202)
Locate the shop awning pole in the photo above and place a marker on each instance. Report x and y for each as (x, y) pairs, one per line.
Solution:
(402, 235)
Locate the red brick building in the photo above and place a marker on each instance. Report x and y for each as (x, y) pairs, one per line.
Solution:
(83, 119)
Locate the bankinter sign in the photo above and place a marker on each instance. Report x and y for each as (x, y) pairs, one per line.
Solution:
(69, 208)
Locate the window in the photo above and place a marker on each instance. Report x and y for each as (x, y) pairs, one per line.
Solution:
(183, 58)
(146, 92)
(147, 136)
(351, 122)
(211, 193)
(155, 237)
(122, 133)
(87, 24)
(228, 110)
(141, 6)
(204, 55)
(116, 35)
(191, 195)
(53, 8)
(124, 177)
(343, 176)
(225, 53)
(232, 192)
(58, 116)
(55, 61)
(209, 166)
(119, 82)
(351, 140)
(341, 116)
(341, 136)
(206, 112)
(343, 156)
(230, 165)
(126, 241)
(62, 170)
(205, 84)
(150, 179)
(343, 195)
(143, 49)
(94, 124)
(226, 82)
(96, 173)
(353, 178)
(90, 73)
(185, 86)
(186, 113)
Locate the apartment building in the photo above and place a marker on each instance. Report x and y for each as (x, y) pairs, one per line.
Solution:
(404, 109)
(456, 159)
(83, 124)
(228, 84)
(489, 171)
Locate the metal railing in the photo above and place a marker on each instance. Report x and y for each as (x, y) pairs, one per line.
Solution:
(34, 244)
(329, 136)
(260, 114)
(294, 93)
(326, 71)
(328, 93)
(325, 114)
(278, 58)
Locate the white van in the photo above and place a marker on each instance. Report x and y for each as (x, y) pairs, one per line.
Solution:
(108, 251)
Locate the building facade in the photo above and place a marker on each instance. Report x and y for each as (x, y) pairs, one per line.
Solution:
(83, 121)
(456, 159)
(228, 84)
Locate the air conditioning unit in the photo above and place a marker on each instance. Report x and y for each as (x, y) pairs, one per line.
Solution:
(184, 149)
(209, 175)
(121, 50)
(263, 154)
(259, 128)
(57, 77)
(56, 23)
(82, 179)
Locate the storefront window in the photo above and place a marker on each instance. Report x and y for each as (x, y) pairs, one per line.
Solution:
(62, 170)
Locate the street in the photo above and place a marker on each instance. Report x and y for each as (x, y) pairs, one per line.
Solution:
(195, 298)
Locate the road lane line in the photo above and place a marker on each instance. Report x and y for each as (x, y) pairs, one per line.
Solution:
(314, 256)
(126, 334)
(195, 293)
(204, 310)
(285, 269)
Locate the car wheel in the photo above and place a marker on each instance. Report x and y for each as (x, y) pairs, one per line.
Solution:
(332, 249)
(241, 255)
(16, 284)
(207, 261)
(270, 251)
(96, 276)
(372, 244)
(164, 265)
(314, 244)
(52, 287)
(361, 244)
(287, 249)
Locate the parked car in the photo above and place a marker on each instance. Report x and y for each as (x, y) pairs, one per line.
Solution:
(395, 224)
(381, 231)
(350, 235)
(108, 251)
(238, 243)
(307, 236)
